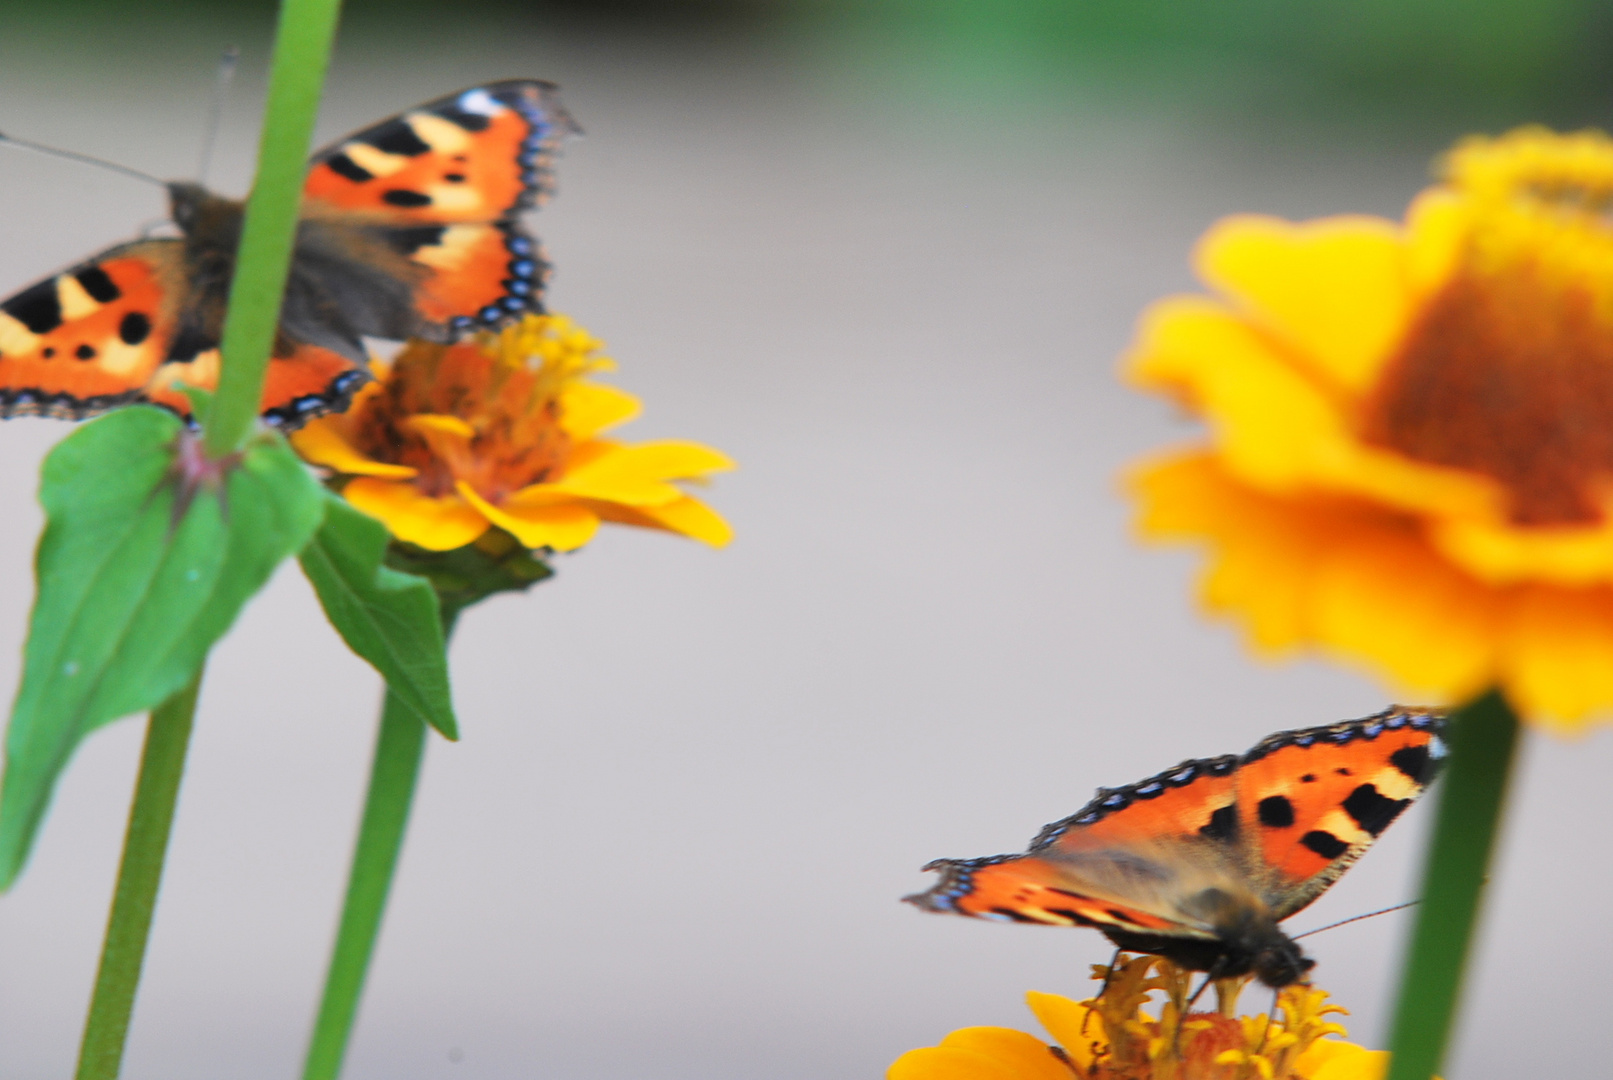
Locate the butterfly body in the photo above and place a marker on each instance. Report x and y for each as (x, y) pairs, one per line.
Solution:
(408, 229)
(1202, 862)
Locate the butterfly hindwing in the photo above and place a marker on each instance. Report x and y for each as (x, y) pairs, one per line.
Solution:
(1311, 802)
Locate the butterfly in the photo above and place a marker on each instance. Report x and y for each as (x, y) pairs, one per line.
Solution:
(1201, 862)
(408, 229)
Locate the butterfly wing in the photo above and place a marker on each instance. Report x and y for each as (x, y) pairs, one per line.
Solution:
(1131, 861)
(90, 338)
(1310, 802)
(441, 186)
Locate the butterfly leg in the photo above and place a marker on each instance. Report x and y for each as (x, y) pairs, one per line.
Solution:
(1108, 977)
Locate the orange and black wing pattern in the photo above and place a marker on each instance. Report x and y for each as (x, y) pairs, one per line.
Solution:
(1271, 830)
(1311, 802)
(443, 184)
(1120, 863)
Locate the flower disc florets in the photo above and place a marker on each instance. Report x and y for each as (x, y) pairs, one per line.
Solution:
(506, 431)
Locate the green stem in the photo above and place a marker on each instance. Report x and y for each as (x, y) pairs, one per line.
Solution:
(1483, 738)
(303, 39)
(151, 817)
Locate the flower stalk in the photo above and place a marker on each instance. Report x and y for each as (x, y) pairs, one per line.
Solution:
(399, 748)
(303, 40)
(1483, 737)
(145, 846)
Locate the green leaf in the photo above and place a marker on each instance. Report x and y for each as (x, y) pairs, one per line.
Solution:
(392, 620)
(149, 553)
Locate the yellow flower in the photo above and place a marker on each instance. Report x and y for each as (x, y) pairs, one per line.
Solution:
(1111, 1037)
(452, 439)
(1410, 459)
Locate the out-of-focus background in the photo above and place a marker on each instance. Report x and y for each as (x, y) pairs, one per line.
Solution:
(885, 254)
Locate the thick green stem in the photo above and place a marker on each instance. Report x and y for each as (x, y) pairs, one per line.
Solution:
(1483, 738)
(151, 818)
(302, 48)
(399, 748)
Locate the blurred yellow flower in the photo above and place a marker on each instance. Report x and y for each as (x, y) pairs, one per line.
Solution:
(452, 439)
(1111, 1038)
(1410, 458)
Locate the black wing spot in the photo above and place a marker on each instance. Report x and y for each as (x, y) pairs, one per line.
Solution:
(1121, 916)
(98, 284)
(1012, 914)
(1324, 844)
(85, 352)
(50, 351)
(1074, 916)
(1372, 810)
(1275, 812)
(405, 197)
(1308, 778)
(1223, 824)
(454, 177)
(37, 308)
(468, 120)
(1411, 760)
(397, 137)
(342, 165)
(1342, 771)
(410, 240)
(134, 328)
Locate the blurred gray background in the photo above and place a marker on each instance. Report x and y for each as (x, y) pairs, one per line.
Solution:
(890, 273)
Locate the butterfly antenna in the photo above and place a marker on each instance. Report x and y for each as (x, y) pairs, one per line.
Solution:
(1358, 918)
(215, 111)
(85, 158)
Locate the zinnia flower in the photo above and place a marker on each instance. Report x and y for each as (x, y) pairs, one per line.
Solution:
(1410, 455)
(451, 440)
(1111, 1038)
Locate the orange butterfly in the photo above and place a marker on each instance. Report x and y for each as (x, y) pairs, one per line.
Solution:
(1200, 863)
(409, 229)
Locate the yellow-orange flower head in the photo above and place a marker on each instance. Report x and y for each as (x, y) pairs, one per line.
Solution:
(1410, 462)
(452, 439)
(1112, 1037)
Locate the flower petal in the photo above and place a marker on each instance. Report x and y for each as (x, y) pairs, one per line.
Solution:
(319, 442)
(437, 524)
(563, 526)
(1349, 1062)
(586, 409)
(1351, 578)
(1078, 1029)
(688, 517)
(1335, 289)
(981, 1053)
(1555, 658)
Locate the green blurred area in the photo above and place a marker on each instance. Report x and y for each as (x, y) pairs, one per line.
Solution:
(1476, 62)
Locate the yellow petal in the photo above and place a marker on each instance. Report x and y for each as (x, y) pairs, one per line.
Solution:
(1500, 553)
(1351, 578)
(1334, 290)
(438, 524)
(981, 1053)
(318, 441)
(1555, 655)
(637, 475)
(441, 424)
(563, 526)
(1073, 1026)
(1276, 427)
(1356, 1063)
(586, 409)
(688, 517)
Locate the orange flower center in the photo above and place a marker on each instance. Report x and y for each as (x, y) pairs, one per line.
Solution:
(514, 436)
(1511, 376)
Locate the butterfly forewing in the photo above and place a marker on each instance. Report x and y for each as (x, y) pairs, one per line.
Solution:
(1311, 802)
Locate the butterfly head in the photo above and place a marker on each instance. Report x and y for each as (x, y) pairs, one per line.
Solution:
(198, 211)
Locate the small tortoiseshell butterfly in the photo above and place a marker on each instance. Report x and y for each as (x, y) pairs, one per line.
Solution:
(408, 229)
(1200, 863)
